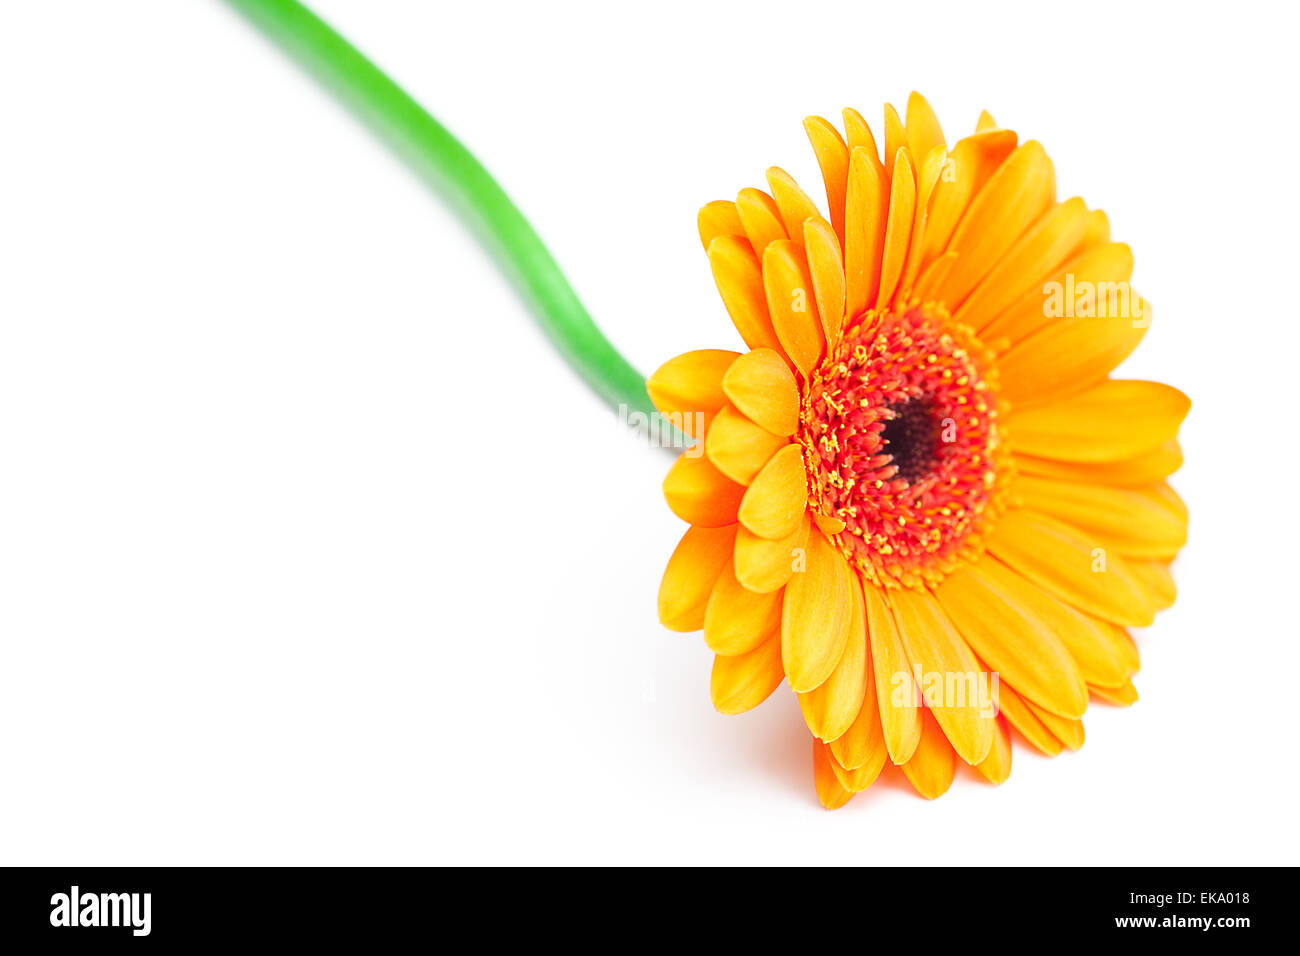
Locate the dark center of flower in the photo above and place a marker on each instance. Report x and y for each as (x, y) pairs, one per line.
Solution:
(900, 436)
(911, 438)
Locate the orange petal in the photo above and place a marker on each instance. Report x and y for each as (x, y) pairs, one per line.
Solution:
(792, 202)
(1056, 295)
(815, 616)
(737, 620)
(776, 500)
(1034, 257)
(1018, 714)
(1071, 354)
(863, 744)
(1015, 195)
(690, 576)
(1133, 521)
(688, 387)
(697, 492)
(1125, 695)
(1076, 570)
(792, 304)
(1068, 732)
(898, 231)
(764, 565)
(742, 682)
(760, 385)
(1115, 420)
(1157, 583)
(830, 791)
(761, 218)
(900, 718)
(1011, 639)
(740, 283)
(859, 778)
(934, 647)
(1101, 656)
(864, 232)
(923, 130)
(719, 218)
(831, 708)
(826, 266)
(996, 767)
(895, 139)
(934, 764)
(737, 447)
(1145, 469)
(972, 161)
(833, 159)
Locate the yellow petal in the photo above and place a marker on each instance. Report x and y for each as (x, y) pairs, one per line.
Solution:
(923, 130)
(859, 135)
(934, 764)
(1060, 560)
(830, 791)
(763, 565)
(719, 218)
(1061, 293)
(1133, 521)
(743, 681)
(1125, 695)
(972, 161)
(895, 139)
(700, 494)
(792, 304)
(737, 620)
(1035, 256)
(1018, 714)
(863, 744)
(859, 778)
(934, 647)
(826, 266)
(833, 159)
(690, 576)
(815, 616)
(864, 232)
(1011, 639)
(831, 708)
(928, 174)
(740, 283)
(1068, 732)
(792, 202)
(737, 447)
(761, 386)
(1071, 354)
(690, 386)
(1157, 583)
(1015, 195)
(985, 122)
(776, 500)
(760, 217)
(1145, 469)
(895, 690)
(996, 767)
(898, 231)
(1090, 646)
(1115, 420)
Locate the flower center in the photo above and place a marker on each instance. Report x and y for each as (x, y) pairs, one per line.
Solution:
(899, 429)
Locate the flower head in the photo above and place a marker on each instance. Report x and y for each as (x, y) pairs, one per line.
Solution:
(919, 497)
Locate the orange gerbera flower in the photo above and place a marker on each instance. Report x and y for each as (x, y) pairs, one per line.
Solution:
(919, 497)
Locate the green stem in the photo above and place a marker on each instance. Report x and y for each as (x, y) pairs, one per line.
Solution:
(439, 159)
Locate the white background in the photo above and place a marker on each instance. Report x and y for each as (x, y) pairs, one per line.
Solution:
(312, 551)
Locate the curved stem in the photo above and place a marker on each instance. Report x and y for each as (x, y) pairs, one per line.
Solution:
(439, 159)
